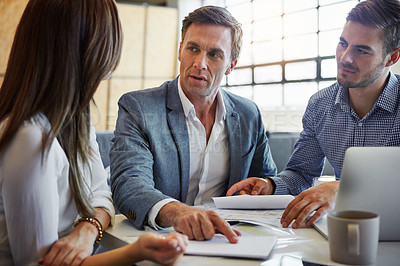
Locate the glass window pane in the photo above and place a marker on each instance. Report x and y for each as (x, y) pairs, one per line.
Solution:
(240, 76)
(223, 82)
(325, 84)
(214, 3)
(268, 29)
(296, 5)
(267, 52)
(245, 57)
(327, 2)
(301, 22)
(297, 94)
(334, 16)
(241, 12)
(264, 9)
(244, 91)
(301, 70)
(268, 74)
(235, 2)
(268, 96)
(300, 47)
(328, 68)
(328, 41)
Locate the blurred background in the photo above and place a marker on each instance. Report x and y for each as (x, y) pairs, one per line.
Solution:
(288, 52)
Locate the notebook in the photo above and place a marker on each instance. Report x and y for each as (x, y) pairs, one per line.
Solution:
(370, 181)
(252, 247)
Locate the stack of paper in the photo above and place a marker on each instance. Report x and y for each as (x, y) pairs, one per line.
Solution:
(253, 202)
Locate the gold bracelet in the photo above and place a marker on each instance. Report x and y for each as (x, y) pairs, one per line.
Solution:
(96, 223)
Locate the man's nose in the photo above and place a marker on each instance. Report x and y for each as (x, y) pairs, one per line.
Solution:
(200, 61)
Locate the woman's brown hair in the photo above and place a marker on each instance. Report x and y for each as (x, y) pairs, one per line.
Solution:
(62, 50)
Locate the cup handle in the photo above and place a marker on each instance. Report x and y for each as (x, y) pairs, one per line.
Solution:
(353, 240)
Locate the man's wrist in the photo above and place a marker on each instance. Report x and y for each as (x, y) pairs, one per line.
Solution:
(168, 213)
(272, 184)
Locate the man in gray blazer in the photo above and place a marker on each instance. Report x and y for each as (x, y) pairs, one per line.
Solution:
(186, 141)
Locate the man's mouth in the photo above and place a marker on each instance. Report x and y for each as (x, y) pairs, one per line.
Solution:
(347, 69)
(198, 77)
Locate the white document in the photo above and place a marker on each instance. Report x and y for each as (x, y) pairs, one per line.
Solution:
(255, 247)
(253, 202)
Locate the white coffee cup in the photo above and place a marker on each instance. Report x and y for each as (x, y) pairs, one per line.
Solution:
(353, 236)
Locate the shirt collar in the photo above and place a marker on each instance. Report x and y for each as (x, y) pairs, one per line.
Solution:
(390, 94)
(188, 107)
(387, 100)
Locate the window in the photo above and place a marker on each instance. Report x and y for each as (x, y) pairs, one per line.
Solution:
(288, 50)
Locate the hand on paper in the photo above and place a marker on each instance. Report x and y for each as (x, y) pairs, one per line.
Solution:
(320, 199)
(196, 223)
(252, 186)
(164, 250)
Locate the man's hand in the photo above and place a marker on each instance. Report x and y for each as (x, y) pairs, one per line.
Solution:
(320, 199)
(252, 186)
(196, 223)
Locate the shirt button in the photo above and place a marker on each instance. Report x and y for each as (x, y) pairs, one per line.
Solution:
(360, 124)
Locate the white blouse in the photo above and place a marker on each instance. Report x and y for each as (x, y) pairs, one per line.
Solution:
(36, 205)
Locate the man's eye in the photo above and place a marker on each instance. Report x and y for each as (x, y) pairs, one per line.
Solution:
(193, 49)
(362, 52)
(342, 44)
(214, 55)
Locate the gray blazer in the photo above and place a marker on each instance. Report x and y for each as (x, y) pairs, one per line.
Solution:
(150, 150)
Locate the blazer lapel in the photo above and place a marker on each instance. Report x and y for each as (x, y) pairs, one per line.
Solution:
(177, 124)
(235, 140)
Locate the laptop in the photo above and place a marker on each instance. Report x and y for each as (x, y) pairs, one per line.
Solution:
(370, 181)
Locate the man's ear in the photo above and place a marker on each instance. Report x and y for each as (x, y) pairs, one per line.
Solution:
(179, 52)
(231, 67)
(393, 58)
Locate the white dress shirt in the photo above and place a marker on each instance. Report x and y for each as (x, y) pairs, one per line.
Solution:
(209, 161)
(36, 205)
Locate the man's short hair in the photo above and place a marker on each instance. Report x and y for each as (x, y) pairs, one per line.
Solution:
(217, 16)
(381, 14)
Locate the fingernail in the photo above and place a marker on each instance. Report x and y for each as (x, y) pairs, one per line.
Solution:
(294, 226)
(284, 224)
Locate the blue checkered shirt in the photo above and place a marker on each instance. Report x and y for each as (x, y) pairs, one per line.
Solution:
(330, 126)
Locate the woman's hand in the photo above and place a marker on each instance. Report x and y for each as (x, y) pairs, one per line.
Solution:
(73, 248)
(164, 250)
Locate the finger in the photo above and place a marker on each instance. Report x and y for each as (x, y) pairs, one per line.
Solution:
(304, 214)
(182, 241)
(233, 189)
(196, 225)
(202, 227)
(242, 192)
(317, 215)
(238, 233)
(185, 228)
(78, 258)
(223, 227)
(289, 208)
(241, 185)
(259, 186)
(52, 255)
(207, 227)
(293, 212)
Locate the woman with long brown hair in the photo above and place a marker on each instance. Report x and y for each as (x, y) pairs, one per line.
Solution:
(54, 198)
